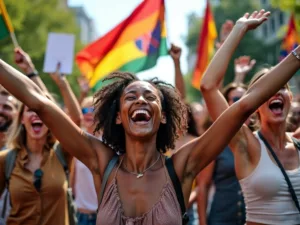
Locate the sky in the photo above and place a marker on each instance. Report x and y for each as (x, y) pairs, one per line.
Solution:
(108, 13)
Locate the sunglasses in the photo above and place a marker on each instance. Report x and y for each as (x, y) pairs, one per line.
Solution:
(86, 110)
(38, 174)
(235, 99)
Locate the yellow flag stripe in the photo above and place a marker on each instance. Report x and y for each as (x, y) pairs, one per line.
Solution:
(6, 17)
(116, 58)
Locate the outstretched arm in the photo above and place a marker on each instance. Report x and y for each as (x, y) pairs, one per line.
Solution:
(204, 149)
(74, 140)
(69, 98)
(175, 53)
(214, 74)
(197, 154)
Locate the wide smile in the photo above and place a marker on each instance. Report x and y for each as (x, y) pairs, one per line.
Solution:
(37, 125)
(140, 116)
(276, 106)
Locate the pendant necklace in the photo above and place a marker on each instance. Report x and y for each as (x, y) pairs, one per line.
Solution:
(141, 174)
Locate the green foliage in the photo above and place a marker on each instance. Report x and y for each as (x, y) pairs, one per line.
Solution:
(292, 6)
(32, 21)
(251, 46)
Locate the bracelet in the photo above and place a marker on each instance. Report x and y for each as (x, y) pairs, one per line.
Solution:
(296, 55)
(33, 74)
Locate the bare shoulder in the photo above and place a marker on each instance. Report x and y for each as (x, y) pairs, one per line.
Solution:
(246, 150)
(102, 154)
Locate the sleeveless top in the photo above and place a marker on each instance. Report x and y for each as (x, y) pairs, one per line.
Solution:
(164, 212)
(86, 196)
(266, 193)
(228, 207)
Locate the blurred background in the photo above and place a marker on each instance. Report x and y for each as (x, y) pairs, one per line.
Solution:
(90, 19)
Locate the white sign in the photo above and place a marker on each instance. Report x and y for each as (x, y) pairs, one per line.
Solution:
(60, 49)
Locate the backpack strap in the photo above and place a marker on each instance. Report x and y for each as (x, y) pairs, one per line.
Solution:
(296, 143)
(10, 163)
(107, 172)
(60, 155)
(9, 166)
(178, 188)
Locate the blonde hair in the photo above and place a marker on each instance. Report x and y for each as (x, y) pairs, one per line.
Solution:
(16, 138)
(87, 101)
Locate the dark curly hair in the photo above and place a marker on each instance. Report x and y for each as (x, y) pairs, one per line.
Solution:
(107, 104)
(192, 123)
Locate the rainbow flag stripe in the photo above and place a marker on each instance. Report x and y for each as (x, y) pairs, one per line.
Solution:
(134, 45)
(5, 24)
(206, 46)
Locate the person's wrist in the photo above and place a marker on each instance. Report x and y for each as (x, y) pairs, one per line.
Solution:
(176, 61)
(29, 69)
(239, 26)
(31, 73)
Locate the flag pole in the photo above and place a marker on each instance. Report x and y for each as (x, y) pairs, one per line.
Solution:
(14, 39)
(167, 27)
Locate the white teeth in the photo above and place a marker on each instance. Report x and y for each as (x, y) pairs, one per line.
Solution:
(276, 101)
(139, 111)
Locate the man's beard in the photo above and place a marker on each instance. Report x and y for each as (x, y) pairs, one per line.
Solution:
(6, 124)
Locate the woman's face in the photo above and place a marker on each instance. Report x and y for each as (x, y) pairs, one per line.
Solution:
(34, 127)
(276, 109)
(235, 94)
(88, 114)
(140, 110)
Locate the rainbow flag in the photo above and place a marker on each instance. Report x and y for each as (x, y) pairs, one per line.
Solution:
(291, 40)
(134, 45)
(5, 25)
(205, 47)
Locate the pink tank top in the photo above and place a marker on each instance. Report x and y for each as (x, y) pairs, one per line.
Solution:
(165, 212)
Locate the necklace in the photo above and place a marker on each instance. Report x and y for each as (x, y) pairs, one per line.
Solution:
(138, 175)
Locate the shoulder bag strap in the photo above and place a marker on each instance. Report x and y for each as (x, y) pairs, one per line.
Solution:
(9, 166)
(177, 187)
(107, 172)
(60, 155)
(291, 189)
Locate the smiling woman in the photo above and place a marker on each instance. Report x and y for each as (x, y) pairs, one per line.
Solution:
(137, 143)
(146, 117)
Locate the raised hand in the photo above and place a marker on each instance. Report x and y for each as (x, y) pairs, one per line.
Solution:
(243, 64)
(23, 60)
(225, 31)
(254, 20)
(83, 83)
(175, 52)
(57, 76)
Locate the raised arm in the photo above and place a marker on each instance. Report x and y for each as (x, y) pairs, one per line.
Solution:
(24, 62)
(242, 66)
(175, 53)
(69, 98)
(86, 148)
(214, 74)
(197, 154)
(84, 88)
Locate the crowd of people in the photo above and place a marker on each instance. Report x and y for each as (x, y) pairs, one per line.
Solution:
(136, 153)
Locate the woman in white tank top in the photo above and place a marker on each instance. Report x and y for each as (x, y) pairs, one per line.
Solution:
(265, 190)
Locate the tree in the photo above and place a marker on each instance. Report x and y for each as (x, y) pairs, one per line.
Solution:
(292, 6)
(250, 45)
(32, 21)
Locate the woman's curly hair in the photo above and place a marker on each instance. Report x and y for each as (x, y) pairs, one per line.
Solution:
(107, 103)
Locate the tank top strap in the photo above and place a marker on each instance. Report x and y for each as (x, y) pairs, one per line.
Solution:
(120, 163)
(163, 159)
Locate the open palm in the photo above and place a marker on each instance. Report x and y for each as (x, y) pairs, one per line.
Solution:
(254, 20)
